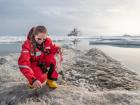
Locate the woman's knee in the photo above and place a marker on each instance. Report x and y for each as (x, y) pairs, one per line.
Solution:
(50, 59)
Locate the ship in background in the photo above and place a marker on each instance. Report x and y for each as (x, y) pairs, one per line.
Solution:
(74, 32)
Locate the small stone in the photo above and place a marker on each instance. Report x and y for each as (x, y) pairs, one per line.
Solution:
(2, 61)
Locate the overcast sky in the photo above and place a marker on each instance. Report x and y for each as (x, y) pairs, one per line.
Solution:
(91, 17)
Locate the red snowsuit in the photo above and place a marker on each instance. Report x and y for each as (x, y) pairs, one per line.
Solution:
(30, 59)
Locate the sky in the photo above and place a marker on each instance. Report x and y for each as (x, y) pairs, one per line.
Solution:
(91, 17)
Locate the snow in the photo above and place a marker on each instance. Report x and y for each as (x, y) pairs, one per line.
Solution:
(118, 40)
(9, 39)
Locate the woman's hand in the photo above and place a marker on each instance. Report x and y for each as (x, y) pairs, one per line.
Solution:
(37, 84)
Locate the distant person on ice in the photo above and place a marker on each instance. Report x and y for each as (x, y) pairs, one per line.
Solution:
(37, 60)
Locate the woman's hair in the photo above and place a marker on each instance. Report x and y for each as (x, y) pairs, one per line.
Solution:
(35, 30)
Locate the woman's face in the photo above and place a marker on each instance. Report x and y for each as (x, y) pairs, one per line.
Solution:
(40, 38)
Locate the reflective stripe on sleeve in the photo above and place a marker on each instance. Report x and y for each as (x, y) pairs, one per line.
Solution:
(25, 51)
(24, 66)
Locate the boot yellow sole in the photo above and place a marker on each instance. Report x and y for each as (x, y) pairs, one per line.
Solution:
(52, 84)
